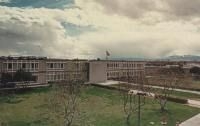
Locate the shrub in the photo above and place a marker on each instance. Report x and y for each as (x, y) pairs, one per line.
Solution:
(177, 100)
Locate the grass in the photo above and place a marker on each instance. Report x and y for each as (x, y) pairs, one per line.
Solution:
(98, 107)
(186, 95)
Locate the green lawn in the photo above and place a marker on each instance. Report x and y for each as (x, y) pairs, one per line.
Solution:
(98, 107)
(186, 95)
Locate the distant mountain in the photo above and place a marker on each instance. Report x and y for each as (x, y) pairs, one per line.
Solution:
(182, 58)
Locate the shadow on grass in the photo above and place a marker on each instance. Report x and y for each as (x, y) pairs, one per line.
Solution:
(33, 90)
(10, 99)
(14, 97)
(19, 123)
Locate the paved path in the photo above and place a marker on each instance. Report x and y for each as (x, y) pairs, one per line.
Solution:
(110, 82)
(181, 90)
(25, 86)
(194, 121)
(193, 103)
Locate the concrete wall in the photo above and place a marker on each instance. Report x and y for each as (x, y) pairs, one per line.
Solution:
(76, 70)
(97, 71)
(41, 74)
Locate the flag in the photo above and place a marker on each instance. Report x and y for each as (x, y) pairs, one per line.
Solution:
(107, 53)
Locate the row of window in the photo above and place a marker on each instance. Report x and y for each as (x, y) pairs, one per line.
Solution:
(117, 74)
(16, 66)
(59, 76)
(124, 65)
(55, 76)
(55, 65)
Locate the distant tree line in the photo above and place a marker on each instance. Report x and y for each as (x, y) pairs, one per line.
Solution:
(195, 70)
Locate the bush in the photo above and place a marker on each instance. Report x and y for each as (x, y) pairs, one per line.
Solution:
(195, 70)
(7, 85)
(177, 100)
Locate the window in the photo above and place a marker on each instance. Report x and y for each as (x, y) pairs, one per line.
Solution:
(32, 65)
(23, 65)
(62, 65)
(9, 65)
(51, 65)
(15, 66)
(19, 65)
(55, 65)
(36, 65)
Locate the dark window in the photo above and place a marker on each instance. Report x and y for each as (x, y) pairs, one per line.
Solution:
(9, 65)
(62, 66)
(23, 65)
(32, 65)
(51, 65)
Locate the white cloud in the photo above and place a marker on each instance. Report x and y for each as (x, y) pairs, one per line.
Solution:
(4, 1)
(24, 31)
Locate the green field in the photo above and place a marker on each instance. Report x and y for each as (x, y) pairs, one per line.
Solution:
(98, 107)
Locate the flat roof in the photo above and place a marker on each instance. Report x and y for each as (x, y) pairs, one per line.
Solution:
(115, 61)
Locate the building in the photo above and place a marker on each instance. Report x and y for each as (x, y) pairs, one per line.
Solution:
(47, 70)
(101, 71)
(35, 65)
(152, 68)
(125, 69)
(97, 71)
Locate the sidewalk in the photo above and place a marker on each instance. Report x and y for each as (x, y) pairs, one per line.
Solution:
(194, 121)
(194, 103)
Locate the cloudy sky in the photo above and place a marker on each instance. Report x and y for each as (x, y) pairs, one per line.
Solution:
(87, 28)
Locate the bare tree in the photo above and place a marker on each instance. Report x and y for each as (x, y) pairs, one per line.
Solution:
(133, 96)
(66, 96)
(65, 100)
(129, 104)
(168, 80)
(162, 95)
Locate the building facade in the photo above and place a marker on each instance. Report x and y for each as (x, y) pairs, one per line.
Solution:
(125, 69)
(35, 65)
(115, 70)
(47, 70)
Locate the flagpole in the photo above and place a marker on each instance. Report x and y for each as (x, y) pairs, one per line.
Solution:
(107, 54)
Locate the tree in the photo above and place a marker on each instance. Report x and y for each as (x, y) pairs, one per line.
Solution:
(162, 95)
(195, 70)
(129, 101)
(22, 75)
(133, 96)
(168, 80)
(65, 100)
(6, 77)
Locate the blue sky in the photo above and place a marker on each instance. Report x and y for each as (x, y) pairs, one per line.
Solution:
(38, 3)
(87, 28)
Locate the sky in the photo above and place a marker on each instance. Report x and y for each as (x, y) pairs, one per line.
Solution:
(87, 28)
